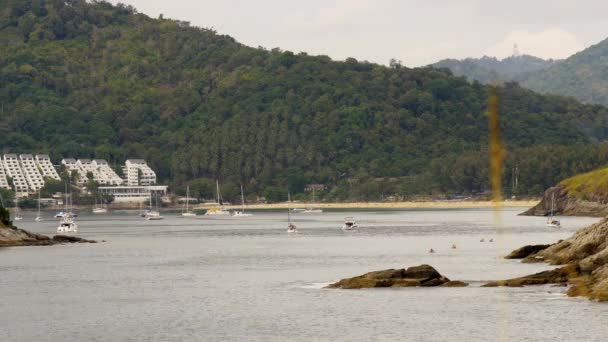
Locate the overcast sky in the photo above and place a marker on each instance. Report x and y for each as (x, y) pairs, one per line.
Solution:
(418, 32)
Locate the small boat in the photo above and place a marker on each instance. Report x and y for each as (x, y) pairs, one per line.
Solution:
(67, 225)
(298, 210)
(291, 228)
(453, 246)
(551, 221)
(219, 210)
(349, 223)
(241, 213)
(187, 212)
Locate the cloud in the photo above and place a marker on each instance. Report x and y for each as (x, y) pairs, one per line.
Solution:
(551, 43)
(337, 13)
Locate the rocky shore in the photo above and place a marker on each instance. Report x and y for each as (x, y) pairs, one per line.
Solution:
(569, 203)
(11, 237)
(423, 275)
(584, 261)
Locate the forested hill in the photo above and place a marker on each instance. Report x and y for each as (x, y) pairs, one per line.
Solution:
(95, 80)
(583, 76)
(492, 70)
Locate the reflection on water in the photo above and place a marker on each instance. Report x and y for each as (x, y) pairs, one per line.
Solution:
(242, 279)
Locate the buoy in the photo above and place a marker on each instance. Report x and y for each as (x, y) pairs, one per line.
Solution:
(482, 240)
(491, 240)
(431, 250)
(453, 246)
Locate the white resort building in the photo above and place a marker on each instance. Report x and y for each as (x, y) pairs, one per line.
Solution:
(13, 170)
(137, 172)
(46, 167)
(31, 172)
(28, 174)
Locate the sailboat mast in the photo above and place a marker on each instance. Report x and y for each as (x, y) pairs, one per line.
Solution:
(242, 200)
(288, 214)
(187, 196)
(217, 190)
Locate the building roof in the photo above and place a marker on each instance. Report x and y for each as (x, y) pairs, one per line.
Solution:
(68, 160)
(43, 156)
(23, 156)
(136, 161)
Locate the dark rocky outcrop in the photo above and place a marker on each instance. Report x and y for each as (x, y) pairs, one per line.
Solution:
(585, 256)
(423, 275)
(11, 237)
(526, 251)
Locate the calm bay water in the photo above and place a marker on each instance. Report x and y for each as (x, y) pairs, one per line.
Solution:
(245, 279)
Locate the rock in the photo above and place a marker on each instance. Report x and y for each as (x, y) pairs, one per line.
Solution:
(557, 276)
(11, 237)
(70, 239)
(454, 283)
(423, 275)
(585, 256)
(526, 251)
(569, 204)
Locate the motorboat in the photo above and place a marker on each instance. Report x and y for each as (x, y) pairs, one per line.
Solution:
(349, 223)
(100, 210)
(291, 228)
(67, 225)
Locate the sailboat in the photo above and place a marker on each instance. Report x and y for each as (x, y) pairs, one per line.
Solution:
(188, 212)
(38, 216)
(552, 222)
(153, 215)
(291, 228)
(242, 213)
(99, 209)
(311, 210)
(219, 210)
(18, 216)
(67, 224)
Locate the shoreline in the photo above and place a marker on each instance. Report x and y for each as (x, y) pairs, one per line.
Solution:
(384, 205)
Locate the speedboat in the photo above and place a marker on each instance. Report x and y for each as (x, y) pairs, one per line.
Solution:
(18, 218)
(188, 214)
(100, 210)
(237, 213)
(63, 214)
(67, 225)
(349, 224)
(217, 211)
(38, 219)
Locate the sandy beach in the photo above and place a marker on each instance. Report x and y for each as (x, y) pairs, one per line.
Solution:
(387, 205)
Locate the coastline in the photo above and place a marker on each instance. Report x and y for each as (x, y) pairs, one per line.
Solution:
(385, 205)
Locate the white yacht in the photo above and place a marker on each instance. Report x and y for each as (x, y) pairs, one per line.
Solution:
(241, 213)
(551, 221)
(349, 223)
(188, 212)
(219, 210)
(67, 225)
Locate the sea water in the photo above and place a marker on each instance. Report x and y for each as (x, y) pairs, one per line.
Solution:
(246, 279)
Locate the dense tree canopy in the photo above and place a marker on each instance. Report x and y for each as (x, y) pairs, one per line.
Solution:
(82, 79)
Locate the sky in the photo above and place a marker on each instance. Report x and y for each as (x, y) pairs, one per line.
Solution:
(416, 32)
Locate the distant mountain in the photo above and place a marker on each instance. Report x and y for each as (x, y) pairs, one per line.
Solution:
(583, 76)
(490, 69)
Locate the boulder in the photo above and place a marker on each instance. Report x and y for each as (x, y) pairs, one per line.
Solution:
(70, 239)
(526, 251)
(557, 276)
(423, 275)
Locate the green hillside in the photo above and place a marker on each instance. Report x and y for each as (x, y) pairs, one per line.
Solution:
(490, 70)
(583, 76)
(95, 80)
